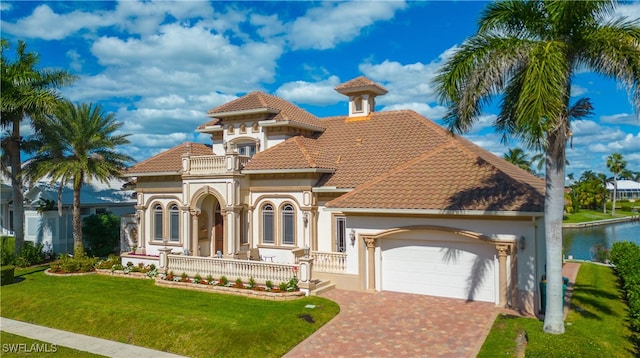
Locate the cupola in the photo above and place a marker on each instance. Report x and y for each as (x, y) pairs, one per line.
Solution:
(362, 93)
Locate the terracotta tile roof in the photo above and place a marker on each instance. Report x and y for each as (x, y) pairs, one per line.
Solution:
(294, 153)
(169, 161)
(454, 176)
(360, 83)
(360, 150)
(409, 162)
(257, 100)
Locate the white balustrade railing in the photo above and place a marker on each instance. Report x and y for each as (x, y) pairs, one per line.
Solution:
(232, 269)
(334, 262)
(207, 164)
(215, 164)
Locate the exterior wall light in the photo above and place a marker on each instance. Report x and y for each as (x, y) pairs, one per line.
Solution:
(352, 236)
(305, 219)
(521, 243)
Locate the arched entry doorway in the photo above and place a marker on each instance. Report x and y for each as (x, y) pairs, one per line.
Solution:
(210, 224)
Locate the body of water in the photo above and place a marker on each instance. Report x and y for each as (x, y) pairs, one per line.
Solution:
(579, 242)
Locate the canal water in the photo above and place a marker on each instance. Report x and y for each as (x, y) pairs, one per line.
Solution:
(579, 242)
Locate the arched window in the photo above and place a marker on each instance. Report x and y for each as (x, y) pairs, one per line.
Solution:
(174, 223)
(288, 225)
(157, 222)
(267, 224)
(357, 105)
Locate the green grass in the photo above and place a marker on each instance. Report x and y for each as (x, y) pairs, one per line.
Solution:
(10, 341)
(591, 215)
(196, 324)
(595, 326)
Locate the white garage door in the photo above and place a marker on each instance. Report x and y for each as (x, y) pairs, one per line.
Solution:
(456, 269)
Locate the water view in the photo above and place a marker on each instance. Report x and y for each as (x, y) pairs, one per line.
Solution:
(579, 242)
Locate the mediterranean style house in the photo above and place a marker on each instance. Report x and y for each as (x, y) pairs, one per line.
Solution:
(382, 200)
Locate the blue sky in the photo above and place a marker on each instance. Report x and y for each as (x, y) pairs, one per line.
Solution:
(160, 65)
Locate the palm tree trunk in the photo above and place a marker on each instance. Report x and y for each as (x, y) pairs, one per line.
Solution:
(13, 150)
(553, 210)
(615, 190)
(78, 246)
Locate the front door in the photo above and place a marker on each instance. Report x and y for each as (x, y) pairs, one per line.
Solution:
(218, 230)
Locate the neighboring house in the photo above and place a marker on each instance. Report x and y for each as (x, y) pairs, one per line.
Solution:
(6, 214)
(44, 224)
(383, 200)
(627, 190)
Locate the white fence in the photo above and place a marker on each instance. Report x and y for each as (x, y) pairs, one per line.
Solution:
(333, 262)
(232, 269)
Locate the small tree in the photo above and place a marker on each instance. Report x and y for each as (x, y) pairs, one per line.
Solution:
(616, 165)
(102, 233)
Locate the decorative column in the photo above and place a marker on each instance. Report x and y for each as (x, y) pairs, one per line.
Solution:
(194, 232)
(371, 266)
(164, 258)
(503, 251)
(306, 274)
(141, 248)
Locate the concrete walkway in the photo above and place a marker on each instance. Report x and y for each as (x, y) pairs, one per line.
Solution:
(79, 341)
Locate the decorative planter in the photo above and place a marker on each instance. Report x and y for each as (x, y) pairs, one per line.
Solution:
(263, 295)
(121, 273)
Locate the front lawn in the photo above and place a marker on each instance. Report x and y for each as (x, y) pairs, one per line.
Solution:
(195, 324)
(595, 327)
(590, 215)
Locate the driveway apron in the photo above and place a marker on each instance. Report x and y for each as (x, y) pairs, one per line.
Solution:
(392, 324)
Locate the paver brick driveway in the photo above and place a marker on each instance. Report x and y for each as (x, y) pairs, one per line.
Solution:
(391, 324)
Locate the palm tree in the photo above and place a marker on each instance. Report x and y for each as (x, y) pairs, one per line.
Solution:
(528, 53)
(604, 180)
(78, 143)
(518, 157)
(616, 165)
(27, 93)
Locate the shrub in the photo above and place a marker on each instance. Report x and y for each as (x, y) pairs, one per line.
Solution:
(6, 275)
(269, 285)
(292, 285)
(252, 282)
(7, 250)
(224, 280)
(109, 262)
(626, 258)
(66, 264)
(283, 286)
(239, 282)
(102, 233)
(209, 278)
(197, 278)
(184, 277)
(30, 254)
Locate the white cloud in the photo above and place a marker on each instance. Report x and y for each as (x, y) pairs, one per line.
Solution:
(622, 118)
(45, 24)
(76, 60)
(434, 113)
(335, 22)
(316, 93)
(577, 91)
(630, 11)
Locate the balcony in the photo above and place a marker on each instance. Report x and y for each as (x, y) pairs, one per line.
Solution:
(207, 165)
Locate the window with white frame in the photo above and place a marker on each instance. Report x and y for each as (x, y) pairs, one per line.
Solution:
(174, 223)
(268, 224)
(340, 234)
(288, 224)
(157, 222)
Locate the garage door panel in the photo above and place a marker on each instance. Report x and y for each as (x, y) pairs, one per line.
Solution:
(463, 270)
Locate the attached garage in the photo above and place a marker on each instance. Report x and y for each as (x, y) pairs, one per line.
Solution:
(439, 264)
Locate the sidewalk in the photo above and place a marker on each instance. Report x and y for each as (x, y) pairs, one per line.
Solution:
(79, 341)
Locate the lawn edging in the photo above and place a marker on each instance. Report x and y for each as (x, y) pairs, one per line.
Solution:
(263, 295)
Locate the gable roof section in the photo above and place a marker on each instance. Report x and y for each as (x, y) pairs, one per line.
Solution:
(168, 162)
(457, 176)
(298, 153)
(260, 102)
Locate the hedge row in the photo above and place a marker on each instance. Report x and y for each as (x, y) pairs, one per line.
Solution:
(626, 258)
(6, 275)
